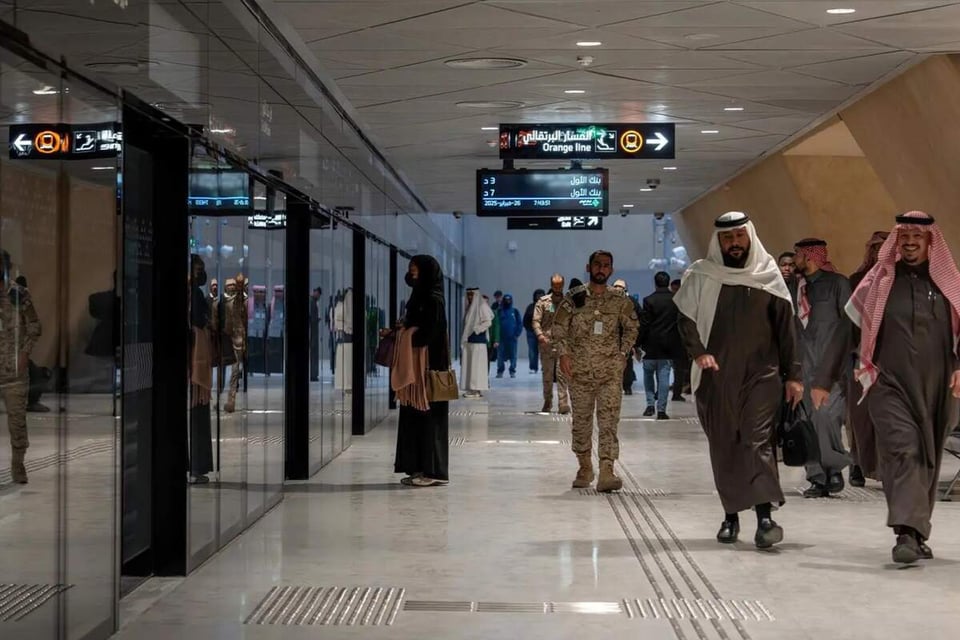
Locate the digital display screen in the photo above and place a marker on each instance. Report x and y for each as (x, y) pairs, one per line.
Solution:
(546, 192)
(219, 190)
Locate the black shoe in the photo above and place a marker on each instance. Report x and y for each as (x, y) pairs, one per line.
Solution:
(729, 531)
(856, 477)
(678, 399)
(628, 392)
(36, 407)
(769, 533)
(835, 484)
(906, 551)
(662, 415)
(816, 490)
(649, 412)
(926, 553)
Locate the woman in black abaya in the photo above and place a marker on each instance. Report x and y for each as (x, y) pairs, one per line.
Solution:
(422, 436)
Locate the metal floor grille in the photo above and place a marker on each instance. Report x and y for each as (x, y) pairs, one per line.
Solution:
(650, 493)
(699, 609)
(457, 442)
(17, 601)
(371, 606)
(852, 494)
(639, 608)
(86, 449)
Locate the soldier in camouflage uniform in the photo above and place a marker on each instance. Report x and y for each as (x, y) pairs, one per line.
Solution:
(543, 316)
(235, 331)
(19, 331)
(594, 330)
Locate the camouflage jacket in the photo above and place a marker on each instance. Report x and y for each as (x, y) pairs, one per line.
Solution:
(599, 334)
(544, 313)
(19, 330)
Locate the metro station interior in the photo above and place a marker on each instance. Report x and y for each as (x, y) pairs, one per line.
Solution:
(216, 460)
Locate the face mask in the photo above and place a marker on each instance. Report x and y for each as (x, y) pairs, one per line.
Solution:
(410, 280)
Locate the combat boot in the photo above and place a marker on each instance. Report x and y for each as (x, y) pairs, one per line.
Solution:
(231, 404)
(17, 470)
(585, 473)
(547, 407)
(608, 480)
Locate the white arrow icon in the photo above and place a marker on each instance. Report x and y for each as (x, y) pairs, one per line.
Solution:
(22, 144)
(593, 221)
(661, 140)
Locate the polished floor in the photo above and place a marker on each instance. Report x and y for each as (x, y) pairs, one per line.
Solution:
(508, 550)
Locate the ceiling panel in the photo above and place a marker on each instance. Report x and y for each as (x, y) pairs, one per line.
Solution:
(815, 11)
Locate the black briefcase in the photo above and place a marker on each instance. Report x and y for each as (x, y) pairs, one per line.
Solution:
(797, 437)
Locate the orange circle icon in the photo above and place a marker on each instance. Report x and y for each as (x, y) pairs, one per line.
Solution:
(631, 141)
(48, 142)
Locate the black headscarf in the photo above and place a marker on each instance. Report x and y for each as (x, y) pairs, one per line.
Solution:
(430, 280)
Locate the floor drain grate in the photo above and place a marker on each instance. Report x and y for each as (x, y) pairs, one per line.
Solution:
(457, 442)
(853, 494)
(650, 493)
(328, 606)
(17, 601)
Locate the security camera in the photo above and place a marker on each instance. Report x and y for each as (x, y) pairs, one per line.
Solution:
(624, 212)
(585, 61)
(658, 215)
(458, 214)
(653, 183)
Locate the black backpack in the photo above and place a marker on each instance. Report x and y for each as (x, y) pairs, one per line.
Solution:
(796, 436)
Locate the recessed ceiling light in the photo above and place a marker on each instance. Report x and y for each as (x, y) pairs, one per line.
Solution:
(489, 128)
(646, 189)
(702, 36)
(575, 91)
(485, 63)
(259, 197)
(733, 108)
(840, 12)
(627, 206)
(669, 168)
(222, 131)
(490, 104)
(46, 90)
(589, 43)
(102, 168)
(709, 131)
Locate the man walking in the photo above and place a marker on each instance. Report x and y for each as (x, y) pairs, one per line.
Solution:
(788, 267)
(629, 374)
(821, 295)
(19, 332)
(660, 341)
(533, 345)
(908, 310)
(681, 366)
(511, 326)
(544, 314)
(864, 454)
(594, 331)
(736, 321)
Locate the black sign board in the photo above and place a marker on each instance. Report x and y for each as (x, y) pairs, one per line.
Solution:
(579, 141)
(540, 192)
(563, 223)
(276, 220)
(65, 141)
(217, 189)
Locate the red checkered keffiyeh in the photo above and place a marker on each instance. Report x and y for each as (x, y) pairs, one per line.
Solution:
(869, 301)
(814, 251)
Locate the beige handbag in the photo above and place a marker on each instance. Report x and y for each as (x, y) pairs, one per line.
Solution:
(442, 385)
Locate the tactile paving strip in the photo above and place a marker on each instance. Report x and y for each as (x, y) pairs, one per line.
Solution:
(17, 601)
(372, 606)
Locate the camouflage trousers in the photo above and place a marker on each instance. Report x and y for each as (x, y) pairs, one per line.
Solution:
(236, 370)
(550, 368)
(14, 394)
(604, 397)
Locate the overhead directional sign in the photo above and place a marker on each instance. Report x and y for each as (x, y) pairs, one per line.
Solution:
(65, 141)
(648, 140)
(539, 192)
(563, 223)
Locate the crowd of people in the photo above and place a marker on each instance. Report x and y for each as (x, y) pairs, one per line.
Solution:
(877, 352)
